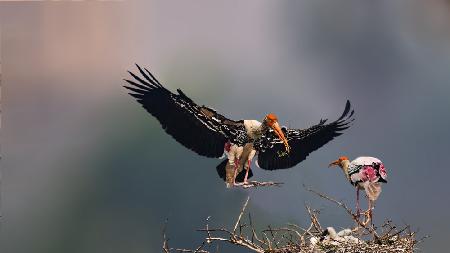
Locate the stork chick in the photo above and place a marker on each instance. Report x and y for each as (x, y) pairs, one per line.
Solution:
(365, 173)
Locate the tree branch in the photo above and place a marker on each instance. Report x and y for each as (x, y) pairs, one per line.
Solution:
(292, 238)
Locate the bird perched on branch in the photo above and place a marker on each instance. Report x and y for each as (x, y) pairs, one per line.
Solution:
(365, 173)
(210, 134)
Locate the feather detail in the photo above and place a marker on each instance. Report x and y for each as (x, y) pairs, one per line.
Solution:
(272, 154)
(198, 128)
(373, 190)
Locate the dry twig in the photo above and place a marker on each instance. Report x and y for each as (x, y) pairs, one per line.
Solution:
(292, 238)
(255, 184)
(355, 217)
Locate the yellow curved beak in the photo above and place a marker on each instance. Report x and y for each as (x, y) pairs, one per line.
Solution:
(334, 163)
(276, 127)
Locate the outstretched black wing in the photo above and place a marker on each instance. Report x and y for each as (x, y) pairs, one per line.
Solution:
(198, 128)
(273, 156)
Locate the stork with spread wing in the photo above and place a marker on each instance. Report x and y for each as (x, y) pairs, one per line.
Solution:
(210, 134)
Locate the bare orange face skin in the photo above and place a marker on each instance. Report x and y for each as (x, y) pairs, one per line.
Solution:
(272, 121)
(342, 158)
(338, 161)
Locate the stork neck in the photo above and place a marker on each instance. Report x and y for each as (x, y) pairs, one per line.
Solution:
(263, 128)
(344, 166)
(254, 128)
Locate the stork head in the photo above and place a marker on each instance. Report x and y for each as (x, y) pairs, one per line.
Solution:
(338, 162)
(271, 120)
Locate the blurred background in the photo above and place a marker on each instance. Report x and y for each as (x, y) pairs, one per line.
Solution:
(86, 169)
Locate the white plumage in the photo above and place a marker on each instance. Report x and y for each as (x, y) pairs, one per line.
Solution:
(365, 173)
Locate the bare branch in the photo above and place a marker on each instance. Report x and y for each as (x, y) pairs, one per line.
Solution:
(165, 246)
(255, 184)
(314, 221)
(292, 238)
(355, 217)
(240, 215)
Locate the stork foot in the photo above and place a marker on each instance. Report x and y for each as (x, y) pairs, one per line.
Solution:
(236, 165)
(368, 215)
(358, 212)
(238, 184)
(245, 182)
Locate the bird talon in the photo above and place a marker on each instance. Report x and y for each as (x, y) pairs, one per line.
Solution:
(368, 214)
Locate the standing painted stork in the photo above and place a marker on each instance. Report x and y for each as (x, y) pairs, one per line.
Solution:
(210, 134)
(365, 173)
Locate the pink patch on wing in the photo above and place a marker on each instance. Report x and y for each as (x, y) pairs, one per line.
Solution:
(368, 174)
(382, 171)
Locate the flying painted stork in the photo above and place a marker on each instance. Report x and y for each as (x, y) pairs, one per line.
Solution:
(210, 134)
(365, 173)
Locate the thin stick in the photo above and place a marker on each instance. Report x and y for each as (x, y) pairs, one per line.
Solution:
(281, 240)
(255, 184)
(165, 246)
(240, 215)
(349, 211)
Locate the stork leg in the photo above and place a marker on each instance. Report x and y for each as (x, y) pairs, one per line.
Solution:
(373, 190)
(246, 172)
(249, 161)
(358, 210)
(236, 166)
(370, 211)
(234, 155)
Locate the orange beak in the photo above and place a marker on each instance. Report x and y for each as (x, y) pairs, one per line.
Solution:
(334, 163)
(276, 127)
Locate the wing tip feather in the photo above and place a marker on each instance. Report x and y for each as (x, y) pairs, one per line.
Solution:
(150, 79)
(346, 110)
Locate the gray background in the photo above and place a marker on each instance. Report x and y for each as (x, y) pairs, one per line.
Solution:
(85, 169)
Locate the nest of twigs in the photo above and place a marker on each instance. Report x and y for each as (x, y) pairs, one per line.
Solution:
(315, 238)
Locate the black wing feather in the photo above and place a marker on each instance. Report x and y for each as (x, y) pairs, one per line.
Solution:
(272, 154)
(180, 117)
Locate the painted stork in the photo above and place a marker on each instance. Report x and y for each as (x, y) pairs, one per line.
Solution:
(210, 134)
(365, 173)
